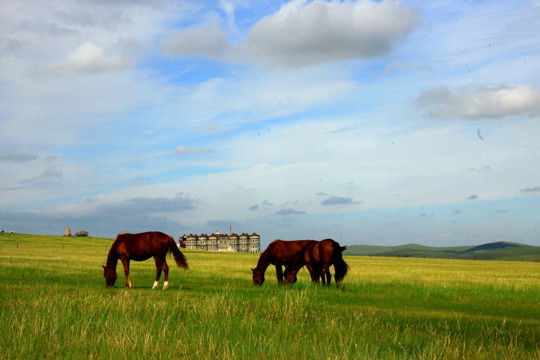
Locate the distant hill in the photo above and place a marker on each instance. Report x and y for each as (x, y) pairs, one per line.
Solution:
(494, 246)
(502, 250)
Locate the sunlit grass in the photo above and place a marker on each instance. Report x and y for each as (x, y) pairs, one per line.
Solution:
(54, 304)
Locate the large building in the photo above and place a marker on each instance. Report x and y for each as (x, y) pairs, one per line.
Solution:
(223, 242)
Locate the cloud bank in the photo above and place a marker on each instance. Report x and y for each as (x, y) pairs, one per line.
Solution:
(485, 102)
(305, 33)
(275, 116)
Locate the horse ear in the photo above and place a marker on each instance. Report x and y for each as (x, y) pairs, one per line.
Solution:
(343, 248)
(103, 267)
(252, 269)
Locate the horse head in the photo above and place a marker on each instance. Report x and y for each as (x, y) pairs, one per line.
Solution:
(258, 277)
(290, 276)
(110, 276)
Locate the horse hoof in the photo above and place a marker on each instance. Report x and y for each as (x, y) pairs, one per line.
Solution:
(166, 285)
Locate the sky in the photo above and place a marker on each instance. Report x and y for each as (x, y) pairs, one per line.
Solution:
(369, 122)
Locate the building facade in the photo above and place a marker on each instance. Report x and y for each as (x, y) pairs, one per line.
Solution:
(223, 242)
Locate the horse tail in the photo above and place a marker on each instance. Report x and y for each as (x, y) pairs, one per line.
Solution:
(340, 265)
(178, 256)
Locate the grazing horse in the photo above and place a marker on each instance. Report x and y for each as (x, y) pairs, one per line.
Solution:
(318, 257)
(278, 253)
(140, 247)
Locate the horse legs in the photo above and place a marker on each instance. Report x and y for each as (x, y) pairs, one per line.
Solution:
(279, 273)
(313, 272)
(328, 275)
(159, 266)
(125, 262)
(166, 271)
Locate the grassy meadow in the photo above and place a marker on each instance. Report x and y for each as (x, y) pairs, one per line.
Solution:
(54, 305)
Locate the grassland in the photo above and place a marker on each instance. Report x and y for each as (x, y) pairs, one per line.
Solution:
(53, 304)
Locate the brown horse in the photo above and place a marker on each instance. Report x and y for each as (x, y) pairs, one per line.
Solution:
(318, 256)
(278, 253)
(140, 247)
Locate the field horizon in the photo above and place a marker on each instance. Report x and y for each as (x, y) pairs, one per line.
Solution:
(54, 304)
(499, 250)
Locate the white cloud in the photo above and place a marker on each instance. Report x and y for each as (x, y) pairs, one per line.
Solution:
(89, 58)
(485, 102)
(59, 65)
(305, 32)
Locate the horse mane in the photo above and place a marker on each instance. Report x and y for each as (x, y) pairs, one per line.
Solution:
(264, 259)
(340, 265)
(112, 257)
(272, 244)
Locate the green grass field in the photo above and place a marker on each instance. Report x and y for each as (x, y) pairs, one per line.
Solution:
(54, 304)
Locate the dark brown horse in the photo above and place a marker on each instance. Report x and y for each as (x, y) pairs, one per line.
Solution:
(140, 247)
(318, 256)
(278, 253)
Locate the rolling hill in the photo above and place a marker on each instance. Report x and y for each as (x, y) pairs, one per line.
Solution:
(502, 250)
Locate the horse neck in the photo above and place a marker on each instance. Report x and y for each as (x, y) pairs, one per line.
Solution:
(298, 260)
(264, 261)
(112, 258)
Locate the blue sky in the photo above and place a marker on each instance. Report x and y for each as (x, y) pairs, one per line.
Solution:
(375, 122)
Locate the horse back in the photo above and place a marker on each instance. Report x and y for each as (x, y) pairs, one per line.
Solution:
(305, 255)
(323, 253)
(142, 246)
(286, 250)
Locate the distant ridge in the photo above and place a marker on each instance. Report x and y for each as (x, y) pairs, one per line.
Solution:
(494, 246)
(502, 250)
